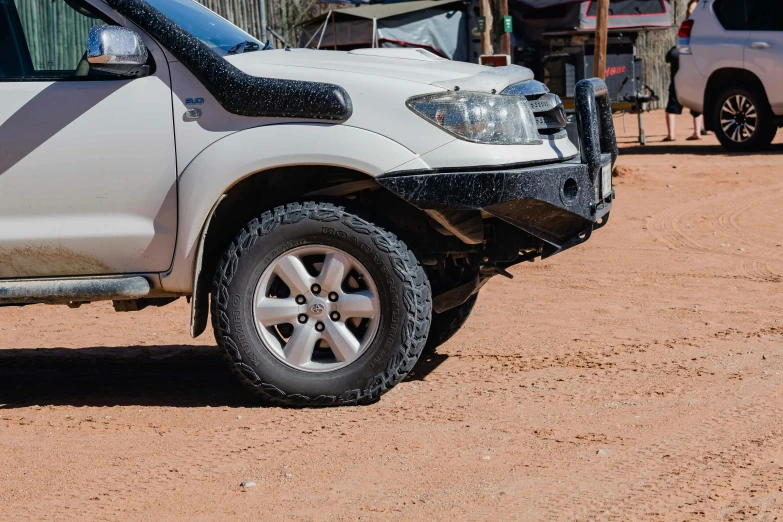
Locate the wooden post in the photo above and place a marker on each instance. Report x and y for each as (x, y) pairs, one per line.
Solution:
(601, 35)
(485, 10)
(505, 38)
(262, 20)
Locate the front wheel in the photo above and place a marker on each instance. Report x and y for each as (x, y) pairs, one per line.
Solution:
(743, 119)
(316, 306)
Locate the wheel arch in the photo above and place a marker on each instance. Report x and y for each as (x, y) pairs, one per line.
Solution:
(721, 78)
(246, 200)
(358, 192)
(260, 151)
(257, 169)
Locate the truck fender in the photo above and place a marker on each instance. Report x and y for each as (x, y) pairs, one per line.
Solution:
(199, 309)
(233, 158)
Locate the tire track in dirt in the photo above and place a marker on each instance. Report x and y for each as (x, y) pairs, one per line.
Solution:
(665, 226)
(760, 271)
(723, 214)
(727, 221)
(696, 470)
(677, 476)
(728, 224)
(683, 461)
(759, 492)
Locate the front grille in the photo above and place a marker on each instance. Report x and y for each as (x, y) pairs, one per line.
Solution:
(547, 107)
(549, 113)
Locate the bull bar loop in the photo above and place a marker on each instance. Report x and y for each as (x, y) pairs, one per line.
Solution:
(595, 124)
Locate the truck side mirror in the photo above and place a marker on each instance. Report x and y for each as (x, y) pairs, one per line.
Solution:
(117, 50)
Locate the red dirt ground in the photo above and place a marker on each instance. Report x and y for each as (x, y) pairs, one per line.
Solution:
(636, 377)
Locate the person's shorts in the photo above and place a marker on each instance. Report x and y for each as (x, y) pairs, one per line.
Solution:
(673, 106)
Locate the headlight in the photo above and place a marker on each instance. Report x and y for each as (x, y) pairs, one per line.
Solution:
(479, 117)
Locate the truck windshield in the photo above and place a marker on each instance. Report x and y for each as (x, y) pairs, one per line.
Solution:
(218, 33)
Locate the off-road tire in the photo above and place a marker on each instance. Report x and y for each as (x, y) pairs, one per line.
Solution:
(445, 325)
(765, 126)
(403, 290)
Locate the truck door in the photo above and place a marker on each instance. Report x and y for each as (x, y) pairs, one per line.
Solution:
(87, 162)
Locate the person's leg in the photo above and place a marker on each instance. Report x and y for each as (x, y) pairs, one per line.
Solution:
(698, 122)
(702, 130)
(673, 108)
(670, 121)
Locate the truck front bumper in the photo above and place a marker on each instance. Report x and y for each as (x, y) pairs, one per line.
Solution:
(561, 203)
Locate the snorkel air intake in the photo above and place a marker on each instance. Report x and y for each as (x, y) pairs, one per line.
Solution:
(236, 91)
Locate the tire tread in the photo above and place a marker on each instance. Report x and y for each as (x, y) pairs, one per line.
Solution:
(417, 303)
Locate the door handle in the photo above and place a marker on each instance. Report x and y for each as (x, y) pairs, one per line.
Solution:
(759, 45)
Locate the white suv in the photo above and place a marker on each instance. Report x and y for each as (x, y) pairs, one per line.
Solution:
(731, 69)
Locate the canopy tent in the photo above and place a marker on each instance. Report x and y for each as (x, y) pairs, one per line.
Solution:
(539, 17)
(437, 25)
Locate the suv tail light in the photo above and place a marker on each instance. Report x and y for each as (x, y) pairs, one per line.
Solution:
(684, 37)
(685, 29)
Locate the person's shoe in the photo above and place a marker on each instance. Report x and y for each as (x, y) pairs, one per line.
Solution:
(693, 138)
(705, 132)
(667, 138)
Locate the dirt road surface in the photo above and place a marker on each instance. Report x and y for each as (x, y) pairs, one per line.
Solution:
(637, 377)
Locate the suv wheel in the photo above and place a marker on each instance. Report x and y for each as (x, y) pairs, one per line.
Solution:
(743, 119)
(316, 306)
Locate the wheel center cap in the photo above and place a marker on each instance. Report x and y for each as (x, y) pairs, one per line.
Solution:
(318, 307)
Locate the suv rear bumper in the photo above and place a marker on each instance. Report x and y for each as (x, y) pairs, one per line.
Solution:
(690, 84)
(560, 203)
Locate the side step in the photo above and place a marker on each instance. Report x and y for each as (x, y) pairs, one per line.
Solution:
(56, 291)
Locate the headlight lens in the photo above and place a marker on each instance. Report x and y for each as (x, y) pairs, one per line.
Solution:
(479, 117)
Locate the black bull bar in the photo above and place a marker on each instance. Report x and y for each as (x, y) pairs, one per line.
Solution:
(559, 203)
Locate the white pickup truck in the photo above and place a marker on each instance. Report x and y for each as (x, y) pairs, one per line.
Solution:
(341, 209)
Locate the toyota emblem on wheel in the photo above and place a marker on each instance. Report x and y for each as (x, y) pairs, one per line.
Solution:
(317, 308)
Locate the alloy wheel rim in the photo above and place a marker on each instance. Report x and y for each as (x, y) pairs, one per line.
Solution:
(316, 308)
(738, 118)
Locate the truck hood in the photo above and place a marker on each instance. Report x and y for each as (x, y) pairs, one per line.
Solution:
(379, 83)
(413, 65)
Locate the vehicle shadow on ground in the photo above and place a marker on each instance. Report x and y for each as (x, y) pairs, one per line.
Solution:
(704, 150)
(427, 364)
(172, 375)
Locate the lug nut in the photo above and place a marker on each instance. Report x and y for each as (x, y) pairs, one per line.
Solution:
(300, 299)
(333, 296)
(316, 288)
(302, 318)
(335, 316)
(319, 326)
